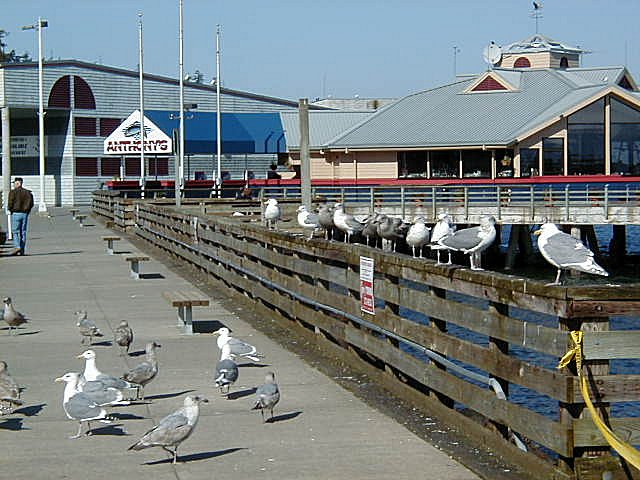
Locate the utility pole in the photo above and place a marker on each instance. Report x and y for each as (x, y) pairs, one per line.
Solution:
(305, 163)
(142, 132)
(180, 156)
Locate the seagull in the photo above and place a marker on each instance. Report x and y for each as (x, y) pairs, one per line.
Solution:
(345, 222)
(226, 370)
(472, 241)
(370, 229)
(309, 220)
(325, 218)
(174, 428)
(272, 213)
(444, 227)
(391, 230)
(9, 390)
(87, 327)
(80, 407)
(238, 348)
(146, 371)
(267, 395)
(13, 318)
(565, 252)
(418, 235)
(91, 374)
(123, 336)
(95, 391)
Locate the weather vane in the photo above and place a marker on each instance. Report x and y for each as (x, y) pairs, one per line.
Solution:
(537, 13)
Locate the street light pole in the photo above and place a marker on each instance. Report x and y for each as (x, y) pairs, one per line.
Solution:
(142, 132)
(218, 115)
(42, 206)
(180, 157)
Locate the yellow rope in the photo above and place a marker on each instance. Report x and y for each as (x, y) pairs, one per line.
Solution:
(623, 448)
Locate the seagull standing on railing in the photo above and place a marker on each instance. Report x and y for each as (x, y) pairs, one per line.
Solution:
(272, 213)
(308, 220)
(325, 218)
(345, 222)
(565, 252)
(472, 241)
(444, 227)
(418, 235)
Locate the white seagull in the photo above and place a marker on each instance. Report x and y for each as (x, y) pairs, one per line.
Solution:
(309, 220)
(444, 227)
(418, 235)
(92, 374)
(345, 222)
(472, 241)
(267, 395)
(237, 348)
(272, 213)
(565, 252)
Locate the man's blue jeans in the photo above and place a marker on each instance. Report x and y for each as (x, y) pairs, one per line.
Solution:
(19, 227)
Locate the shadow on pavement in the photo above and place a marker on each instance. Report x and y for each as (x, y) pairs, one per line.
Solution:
(284, 417)
(196, 456)
(14, 424)
(167, 395)
(241, 393)
(30, 410)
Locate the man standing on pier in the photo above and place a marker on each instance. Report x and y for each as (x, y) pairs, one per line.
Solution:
(20, 205)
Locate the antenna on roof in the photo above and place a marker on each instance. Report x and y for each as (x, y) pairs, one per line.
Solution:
(492, 54)
(537, 12)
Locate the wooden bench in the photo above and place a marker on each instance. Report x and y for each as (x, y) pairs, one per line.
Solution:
(74, 212)
(134, 263)
(110, 239)
(80, 219)
(184, 300)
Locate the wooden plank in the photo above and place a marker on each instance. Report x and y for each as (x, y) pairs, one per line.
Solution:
(604, 467)
(531, 424)
(137, 258)
(611, 344)
(608, 388)
(586, 434)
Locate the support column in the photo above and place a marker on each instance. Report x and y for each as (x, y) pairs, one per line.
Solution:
(618, 245)
(6, 164)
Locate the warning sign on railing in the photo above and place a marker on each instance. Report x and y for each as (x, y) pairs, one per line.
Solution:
(367, 300)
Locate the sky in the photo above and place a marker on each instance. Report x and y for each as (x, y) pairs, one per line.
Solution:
(312, 49)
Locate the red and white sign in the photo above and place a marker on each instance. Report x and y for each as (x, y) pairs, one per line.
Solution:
(126, 138)
(367, 300)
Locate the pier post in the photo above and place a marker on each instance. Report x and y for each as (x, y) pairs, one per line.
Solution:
(519, 241)
(618, 245)
(440, 326)
(497, 345)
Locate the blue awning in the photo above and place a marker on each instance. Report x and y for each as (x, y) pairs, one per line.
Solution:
(241, 132)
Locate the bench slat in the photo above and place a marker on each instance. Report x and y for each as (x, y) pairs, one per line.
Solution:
(110, 238)
(140, 258)
(184, 298)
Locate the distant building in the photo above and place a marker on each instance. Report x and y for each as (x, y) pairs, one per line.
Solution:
(535, 113)
(85, 102)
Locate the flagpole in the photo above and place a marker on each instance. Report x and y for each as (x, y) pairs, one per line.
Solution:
(142, 132)
(218, 115)
(180, 157)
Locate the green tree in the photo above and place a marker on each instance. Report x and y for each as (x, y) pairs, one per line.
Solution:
(10, 56)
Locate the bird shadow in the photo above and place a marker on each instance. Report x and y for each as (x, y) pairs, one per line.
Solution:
(197, 456)
(20, 334)
(241, 393)
(55, 253)
(253, 365)
(14, 424)
(122, 252)
(126, 416)
(114, 430)
(167, 395)
(31, 410)
(137, 353)
(284, 417)
(104, 343)
(151, 276)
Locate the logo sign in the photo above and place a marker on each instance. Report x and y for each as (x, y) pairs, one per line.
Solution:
(127, 138)
(367, 300)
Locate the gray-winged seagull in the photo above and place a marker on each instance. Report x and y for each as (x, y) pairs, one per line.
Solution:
(9, 390)
(145, 371)
(267, 395)
(472, 241)
(444, 227)
(418, 235)
(91, 373)
(565, 252)
(346, 222)
(13, 318)
(308, 220)
(238, 347)
(173, 429)
(87, 328)
(123, 336)
(226, 370)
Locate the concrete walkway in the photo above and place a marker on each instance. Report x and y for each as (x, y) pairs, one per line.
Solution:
(321, 430)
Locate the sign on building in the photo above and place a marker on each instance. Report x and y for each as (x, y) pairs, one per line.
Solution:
(26, 146)
(126, 139)
(367, 300)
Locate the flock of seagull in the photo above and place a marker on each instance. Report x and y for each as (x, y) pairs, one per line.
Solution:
(560, 249)
(88, 396)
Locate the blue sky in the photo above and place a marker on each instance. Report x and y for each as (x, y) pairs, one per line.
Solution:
(303, 48)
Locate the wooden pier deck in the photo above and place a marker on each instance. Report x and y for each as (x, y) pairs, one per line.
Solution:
(322, 430)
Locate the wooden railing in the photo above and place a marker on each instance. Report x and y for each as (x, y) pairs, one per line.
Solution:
(315, 284)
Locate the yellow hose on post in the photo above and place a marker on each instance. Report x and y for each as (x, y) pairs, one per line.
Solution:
(623, 448)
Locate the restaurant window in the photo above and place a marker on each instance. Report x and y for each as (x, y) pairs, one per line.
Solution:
(529, 162)
(108, 125)
(476, 163)
(504, 163)
(85, 126)
(132, 167)
(585, 136)
(445, 164)
(553, 156)
(412, 164)
(86, 167)
(625, 139)
(110, 167)
(159, 166)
